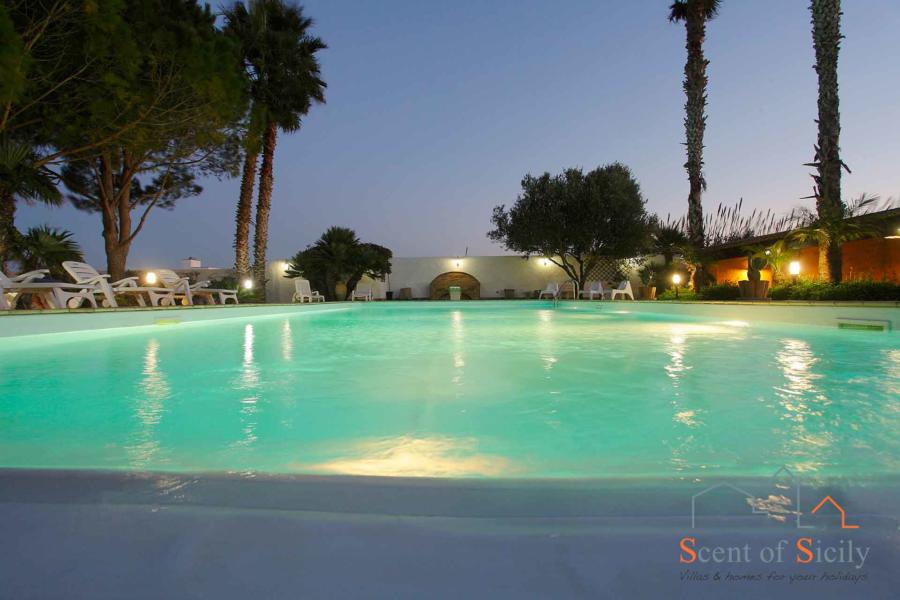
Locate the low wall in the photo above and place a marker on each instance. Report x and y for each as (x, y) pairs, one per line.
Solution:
(873, 258)
(494, 273)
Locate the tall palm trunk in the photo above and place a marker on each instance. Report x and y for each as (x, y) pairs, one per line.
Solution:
(826, 21)
(244, 215)
(7, 226)
(695, 82)
(263, 206)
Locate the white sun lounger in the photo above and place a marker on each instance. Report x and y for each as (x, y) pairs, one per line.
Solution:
(361, 293)
(551, 290)
(53, 294)
(623, 290)
(184, 289)
(86, 275)
(303, 293)
(591, 289)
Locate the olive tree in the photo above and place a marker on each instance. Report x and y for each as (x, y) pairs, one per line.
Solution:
(574, 219)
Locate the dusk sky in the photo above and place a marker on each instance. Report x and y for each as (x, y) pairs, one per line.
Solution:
(435, 111)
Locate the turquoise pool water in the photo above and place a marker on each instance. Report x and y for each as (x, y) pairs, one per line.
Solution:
(490, 389)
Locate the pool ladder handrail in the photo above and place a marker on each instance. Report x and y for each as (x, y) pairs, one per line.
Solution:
(559, 293)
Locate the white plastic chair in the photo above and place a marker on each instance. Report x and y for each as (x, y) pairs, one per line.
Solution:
(183, 288)
(87, 276)
(591, 289)
(53, 294)
(552, 290)
(361, 293)
(303, 293)
(624, 289)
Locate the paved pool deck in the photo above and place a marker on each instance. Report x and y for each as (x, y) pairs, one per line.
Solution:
(83, 534)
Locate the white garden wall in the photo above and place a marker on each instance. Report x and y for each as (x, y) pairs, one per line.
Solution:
(495, 273)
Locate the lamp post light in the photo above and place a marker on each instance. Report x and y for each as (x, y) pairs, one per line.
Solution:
(150, 278)
(248, 284)
(676, 279)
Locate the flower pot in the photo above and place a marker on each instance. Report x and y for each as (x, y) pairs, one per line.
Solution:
(753, 290)
(340, 291)
(389, 295)
(647, 292)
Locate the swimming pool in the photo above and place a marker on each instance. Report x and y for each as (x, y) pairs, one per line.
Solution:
(483, 389)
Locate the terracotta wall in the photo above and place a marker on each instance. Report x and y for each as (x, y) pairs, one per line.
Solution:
(873, 258)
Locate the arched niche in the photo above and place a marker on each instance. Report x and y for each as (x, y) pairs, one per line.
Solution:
(469, 286)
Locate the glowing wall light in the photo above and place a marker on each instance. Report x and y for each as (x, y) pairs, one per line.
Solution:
(794, 268)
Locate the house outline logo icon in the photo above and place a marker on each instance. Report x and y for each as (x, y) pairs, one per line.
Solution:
(840, 509)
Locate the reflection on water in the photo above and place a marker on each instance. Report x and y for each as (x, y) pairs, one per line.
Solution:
(675, 349)
(408, 456)
(249, 384)
(287, 342)
(459, 357)
(154, 383)
(802, 405)
(149, 408)
(548, 337)
(797, 360)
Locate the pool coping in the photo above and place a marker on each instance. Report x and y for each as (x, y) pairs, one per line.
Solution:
(563, 301)
(419, 496)
(51, 322)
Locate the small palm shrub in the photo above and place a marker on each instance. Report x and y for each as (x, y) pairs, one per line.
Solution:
(231, 283)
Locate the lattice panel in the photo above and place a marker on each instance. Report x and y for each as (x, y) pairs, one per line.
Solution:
(605, 270)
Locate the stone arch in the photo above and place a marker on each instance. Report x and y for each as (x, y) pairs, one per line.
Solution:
(470, 287)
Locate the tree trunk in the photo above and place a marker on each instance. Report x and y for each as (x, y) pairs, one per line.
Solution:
(243, 217)
(695, 82)
(826, 21)
(263, 206)
(7, 227)
(116, 259)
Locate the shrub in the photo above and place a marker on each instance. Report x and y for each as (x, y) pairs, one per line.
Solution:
(719, 291)
(683, 294)
(231, 283)
(848, 290)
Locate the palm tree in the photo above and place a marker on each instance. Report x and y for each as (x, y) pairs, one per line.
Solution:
(280, 57)
(21, 178)
(836, 229)
(244, 213)
(46, 247)
(695, 14)
(826, 21)
(330, 262)
(668, 239)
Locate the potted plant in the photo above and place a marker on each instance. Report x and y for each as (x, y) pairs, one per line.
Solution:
(754, 287)
(649, 274)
